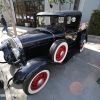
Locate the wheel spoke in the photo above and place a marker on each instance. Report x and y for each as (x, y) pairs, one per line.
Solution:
(38, 81)
(60, 53)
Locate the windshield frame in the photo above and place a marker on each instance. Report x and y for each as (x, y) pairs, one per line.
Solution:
(50, 17)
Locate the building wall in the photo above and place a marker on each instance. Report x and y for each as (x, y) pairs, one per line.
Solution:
(86, 6)
(99, 6)
(56, 7)
(6, 14)
(66, 6)
(47, 6)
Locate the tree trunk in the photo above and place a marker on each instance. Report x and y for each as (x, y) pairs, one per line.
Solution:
(70, 6)
(10, 16)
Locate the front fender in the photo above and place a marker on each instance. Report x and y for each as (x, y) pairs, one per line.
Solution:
(83, 37)
(30, 68)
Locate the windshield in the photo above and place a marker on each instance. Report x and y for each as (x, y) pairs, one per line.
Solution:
(51, 21)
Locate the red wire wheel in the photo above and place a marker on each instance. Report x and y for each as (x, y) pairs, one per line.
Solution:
(59, 50)
(60, 53)
(36, 82)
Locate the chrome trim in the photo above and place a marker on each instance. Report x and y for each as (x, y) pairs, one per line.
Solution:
(5, 41)
(16, 52)
(52, 35)
(17, 41)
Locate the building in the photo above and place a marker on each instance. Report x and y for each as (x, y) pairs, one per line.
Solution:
(24, 11)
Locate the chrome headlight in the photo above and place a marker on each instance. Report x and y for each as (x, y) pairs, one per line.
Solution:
(5, 41)
(18, 42)
(16, 52)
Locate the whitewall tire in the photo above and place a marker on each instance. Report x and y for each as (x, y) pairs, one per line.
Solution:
(36, 82)
(59, 50)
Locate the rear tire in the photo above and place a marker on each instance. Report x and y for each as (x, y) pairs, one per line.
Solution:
(36, 82)
(82, 46)
(58, 51)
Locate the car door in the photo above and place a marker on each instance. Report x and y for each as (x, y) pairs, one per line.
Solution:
(70, 30)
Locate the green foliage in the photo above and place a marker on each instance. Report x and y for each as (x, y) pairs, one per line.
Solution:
(61, 1)
(0, 6)
(94, 24)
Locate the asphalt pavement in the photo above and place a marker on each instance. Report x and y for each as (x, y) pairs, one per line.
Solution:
(74, 80)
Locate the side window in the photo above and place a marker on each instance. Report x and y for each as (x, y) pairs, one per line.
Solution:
(72, 23)
(73, 19)
(61, 20)
(70, 20)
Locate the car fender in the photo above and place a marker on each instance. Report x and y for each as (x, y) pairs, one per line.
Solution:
(30, 68)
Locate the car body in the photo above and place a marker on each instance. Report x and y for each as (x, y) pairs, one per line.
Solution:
(52, 41)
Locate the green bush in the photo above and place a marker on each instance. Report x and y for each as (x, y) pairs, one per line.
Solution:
(94, 24)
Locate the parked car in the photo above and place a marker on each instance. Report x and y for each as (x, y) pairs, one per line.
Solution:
(52, 41)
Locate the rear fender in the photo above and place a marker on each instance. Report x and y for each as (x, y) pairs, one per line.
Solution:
(83, 36)
(26, 71)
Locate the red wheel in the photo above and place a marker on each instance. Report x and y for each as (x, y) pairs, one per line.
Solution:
(59, 51)
(82, 45)
(36, 82)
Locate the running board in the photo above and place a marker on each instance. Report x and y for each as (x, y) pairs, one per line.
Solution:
(70, 54)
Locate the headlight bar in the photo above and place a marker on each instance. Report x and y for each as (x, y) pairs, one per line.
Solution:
(16, 52)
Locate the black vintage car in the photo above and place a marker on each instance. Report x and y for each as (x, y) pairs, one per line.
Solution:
(52, 41)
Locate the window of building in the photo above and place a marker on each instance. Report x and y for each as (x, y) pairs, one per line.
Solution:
(26, 10)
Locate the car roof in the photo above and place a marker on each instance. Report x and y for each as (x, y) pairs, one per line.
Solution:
(60, 13)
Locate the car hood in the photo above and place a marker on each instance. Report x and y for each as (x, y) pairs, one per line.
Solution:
(35, 37)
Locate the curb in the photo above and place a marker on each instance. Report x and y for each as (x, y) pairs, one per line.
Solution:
(92, 38)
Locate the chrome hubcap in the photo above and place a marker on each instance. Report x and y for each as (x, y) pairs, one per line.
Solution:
(62, 53)
(40, 82)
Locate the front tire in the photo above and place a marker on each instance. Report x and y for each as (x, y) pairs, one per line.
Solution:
(36, 82)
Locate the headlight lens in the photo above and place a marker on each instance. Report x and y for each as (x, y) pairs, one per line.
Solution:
(16, 52)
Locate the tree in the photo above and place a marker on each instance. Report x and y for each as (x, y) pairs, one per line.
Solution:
(61, 2)
(9, 11)
(0, 6)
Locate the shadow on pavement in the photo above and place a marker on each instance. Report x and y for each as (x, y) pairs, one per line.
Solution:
(18, 32)
(1, 35)
(2, 94)
(10, 34)
(2, 91)
(12, 70)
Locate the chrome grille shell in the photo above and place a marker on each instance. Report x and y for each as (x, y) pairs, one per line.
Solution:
(17, 42)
